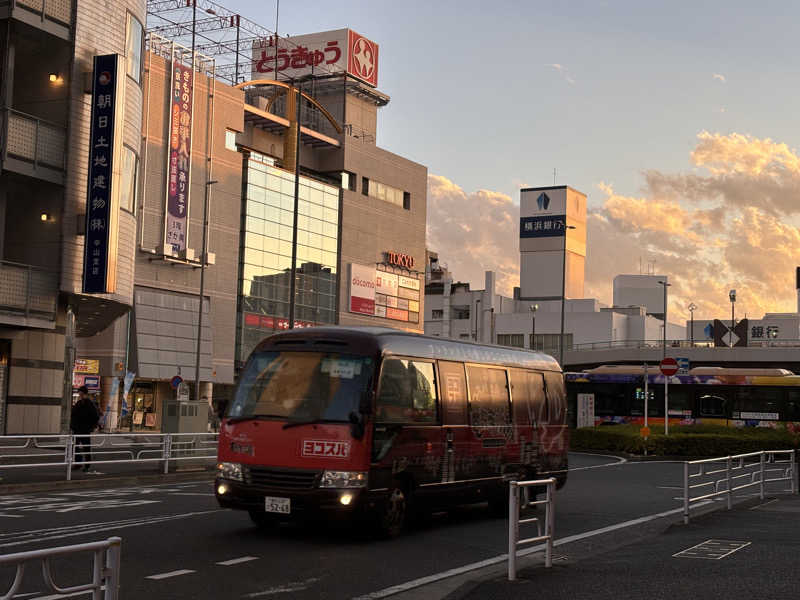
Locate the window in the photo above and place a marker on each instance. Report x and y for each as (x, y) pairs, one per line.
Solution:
(514, 340)
(348, 181)
(437, 314)
(527, 390)
(130, 172)
(230, 140)
(365, 186)
(133, 49)
(407, 392)
(712, 405)
(556, 398)
(407, 200)
(454, 393)
(488, 394)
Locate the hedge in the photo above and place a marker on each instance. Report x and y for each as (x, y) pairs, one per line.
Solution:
(690, 441)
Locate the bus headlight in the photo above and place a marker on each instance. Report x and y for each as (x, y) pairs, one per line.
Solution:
(343, 479)
(228, 470)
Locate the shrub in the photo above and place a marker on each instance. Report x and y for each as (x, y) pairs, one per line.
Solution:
(690, 441)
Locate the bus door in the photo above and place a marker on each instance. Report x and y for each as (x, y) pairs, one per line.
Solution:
(527, 392)
(456, 433)
(407, 439)
(490, 419)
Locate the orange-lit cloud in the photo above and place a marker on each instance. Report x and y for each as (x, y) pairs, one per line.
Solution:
(732, 223)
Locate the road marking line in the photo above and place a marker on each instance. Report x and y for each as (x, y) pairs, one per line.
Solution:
(191, 494)
(286, 588)
(706, 550)
(752, 507)
(109, 527)
(12, 516)
(409, 585)
(669, 487)
(70, 595)
(170, 574)
(236, 561)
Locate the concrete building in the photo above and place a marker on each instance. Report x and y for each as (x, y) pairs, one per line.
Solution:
(552, 255)
(201, 212)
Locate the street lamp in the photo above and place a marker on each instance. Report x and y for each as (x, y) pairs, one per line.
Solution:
(203, 253)
(692, 307)
(732, 296)
(563, 292)
(477, 315)
(664, 338)
(534, 308)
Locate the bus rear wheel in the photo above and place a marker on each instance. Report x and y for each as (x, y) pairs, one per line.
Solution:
(391, 518)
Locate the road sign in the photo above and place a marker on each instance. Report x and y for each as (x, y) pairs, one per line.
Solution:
(683, 366)
(645, 432)
(668, 366)
(176, 381)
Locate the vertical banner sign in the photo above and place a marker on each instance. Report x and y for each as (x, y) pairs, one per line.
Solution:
(99, 255)
(180, 150)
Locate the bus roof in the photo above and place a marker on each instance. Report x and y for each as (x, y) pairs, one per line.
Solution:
(387, 341)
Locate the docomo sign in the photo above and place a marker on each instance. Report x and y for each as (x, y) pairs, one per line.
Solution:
(362, 290)
(668, 366)
(338, 51)
(397, 259)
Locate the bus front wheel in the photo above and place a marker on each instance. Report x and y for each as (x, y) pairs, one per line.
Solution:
(392, 516)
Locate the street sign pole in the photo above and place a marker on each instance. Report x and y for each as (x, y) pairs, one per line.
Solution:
(668, 366)
(646, 398)
(666, 404)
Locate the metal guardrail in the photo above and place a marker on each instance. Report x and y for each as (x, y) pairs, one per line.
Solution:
(514, 521)
(32, 139)
(725, 475)
(28, 290)
(105, 569)
(41, 451)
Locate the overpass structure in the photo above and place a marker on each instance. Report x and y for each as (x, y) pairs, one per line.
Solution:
(783, 354)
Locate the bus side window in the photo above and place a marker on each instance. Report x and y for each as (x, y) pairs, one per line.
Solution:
(527, 394)
(407, 392)
(488, 395)
(556, 398)
(453, 386)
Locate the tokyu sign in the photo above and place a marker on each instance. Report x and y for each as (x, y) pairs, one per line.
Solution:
(338, 51)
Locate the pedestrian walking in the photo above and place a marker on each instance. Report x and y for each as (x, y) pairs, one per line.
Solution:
(85, 418)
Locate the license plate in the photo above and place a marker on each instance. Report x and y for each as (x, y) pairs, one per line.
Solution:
(277, 505)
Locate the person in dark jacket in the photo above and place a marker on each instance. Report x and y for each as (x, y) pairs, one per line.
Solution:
(84, 421)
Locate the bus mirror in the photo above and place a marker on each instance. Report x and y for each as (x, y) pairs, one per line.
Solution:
(365, 404)
(356, 426)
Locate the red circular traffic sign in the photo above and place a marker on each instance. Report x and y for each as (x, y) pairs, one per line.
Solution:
(668, 366)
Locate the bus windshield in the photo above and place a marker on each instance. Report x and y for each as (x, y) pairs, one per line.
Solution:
(302, 386)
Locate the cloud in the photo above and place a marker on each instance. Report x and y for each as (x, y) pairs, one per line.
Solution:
(731, 223)
(474, 233)
(719, 77)
(564, 72)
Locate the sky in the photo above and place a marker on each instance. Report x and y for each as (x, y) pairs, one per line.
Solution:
(676, 119)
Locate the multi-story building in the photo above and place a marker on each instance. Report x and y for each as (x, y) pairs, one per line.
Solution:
(225, 203)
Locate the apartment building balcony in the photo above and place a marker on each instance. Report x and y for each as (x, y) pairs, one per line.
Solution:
(28, 295)
(32, 146)
(53, 16)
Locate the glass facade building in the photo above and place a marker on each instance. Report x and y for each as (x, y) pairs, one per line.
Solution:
(266, 252)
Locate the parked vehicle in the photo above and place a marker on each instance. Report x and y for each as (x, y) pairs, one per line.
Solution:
(370, 422)
(736, 397)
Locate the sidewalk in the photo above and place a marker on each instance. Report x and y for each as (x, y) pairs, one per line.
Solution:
(645, 565)
(106, 449)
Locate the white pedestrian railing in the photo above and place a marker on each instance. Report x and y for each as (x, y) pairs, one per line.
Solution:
(725, 475)
(41, 451)
(514, 521)
(105, 569)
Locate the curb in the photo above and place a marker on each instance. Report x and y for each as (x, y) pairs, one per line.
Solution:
(100, 482)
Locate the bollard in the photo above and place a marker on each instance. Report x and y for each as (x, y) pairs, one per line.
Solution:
(686, 492)
(549, 526)
(730, 486)
(69, 449)
(113, 562)
(513, 529)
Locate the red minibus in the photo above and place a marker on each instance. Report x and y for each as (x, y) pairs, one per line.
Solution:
(370, 422)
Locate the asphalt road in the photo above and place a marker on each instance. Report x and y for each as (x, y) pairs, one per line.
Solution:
(177, 543)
